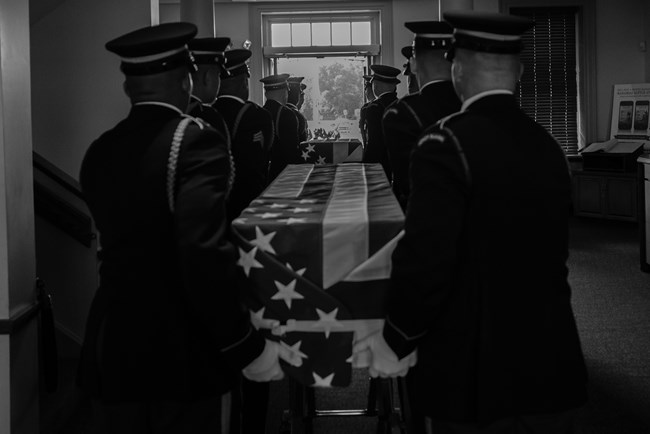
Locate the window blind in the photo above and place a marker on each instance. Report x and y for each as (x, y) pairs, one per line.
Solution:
(548, 90)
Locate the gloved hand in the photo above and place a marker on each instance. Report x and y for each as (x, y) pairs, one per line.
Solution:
(267, 365)
(382, 360)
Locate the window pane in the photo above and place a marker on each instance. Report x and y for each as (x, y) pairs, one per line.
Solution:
(280, 35)
(320, 34)
(341, 34)
(300, 35)
(361, 33)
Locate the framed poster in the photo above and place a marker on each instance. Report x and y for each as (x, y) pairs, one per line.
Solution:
(630, 107)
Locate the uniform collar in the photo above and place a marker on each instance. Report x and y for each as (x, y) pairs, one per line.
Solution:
(433, 82)
(161, 104)
(385, 93)
(478, 96)
(236, 98)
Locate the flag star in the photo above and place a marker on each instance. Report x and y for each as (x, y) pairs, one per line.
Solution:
(270, 215)
(322, 382)
(298, 272)
(350, 359)
(321, 160)
(279, 205)
(327, 321)
(310, 147)
(295, 349)
(248, 261)
(287, 292)
(304, 201)
(297, 210)
(263, 241)
(258, 320)
(305, 155)
(240, 220)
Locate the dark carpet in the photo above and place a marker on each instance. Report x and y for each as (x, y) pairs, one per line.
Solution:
(611, 299)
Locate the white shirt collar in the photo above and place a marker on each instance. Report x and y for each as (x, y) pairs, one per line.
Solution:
(162, 104)
(480, 95)
(236, 98)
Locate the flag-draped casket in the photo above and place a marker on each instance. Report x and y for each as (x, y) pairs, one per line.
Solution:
(316, 247)
(331, 151)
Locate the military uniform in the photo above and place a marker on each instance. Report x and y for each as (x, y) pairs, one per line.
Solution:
(251, 137)
(363, 117)
(286, 141)
(166, 322)
(375, 149)
(295, 91)
(406, 119)
(479, 280)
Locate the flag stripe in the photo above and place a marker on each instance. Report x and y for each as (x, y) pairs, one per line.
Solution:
(291, 183)
(345, 225)
(339, 152)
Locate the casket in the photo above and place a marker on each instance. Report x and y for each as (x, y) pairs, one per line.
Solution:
(331, 151)
(316, 248)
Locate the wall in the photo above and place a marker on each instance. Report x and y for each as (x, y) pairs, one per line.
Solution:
(76, 83)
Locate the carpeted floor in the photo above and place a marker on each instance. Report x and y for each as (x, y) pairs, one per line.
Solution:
(611, 299)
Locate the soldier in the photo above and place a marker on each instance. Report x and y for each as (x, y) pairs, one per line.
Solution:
(286, 142)
(209, 57)
(369, 97)
(411, 78)
(295, 93)
(166, 334)
(406, 119)
(479, 280)
(384, 85)
(251, 132)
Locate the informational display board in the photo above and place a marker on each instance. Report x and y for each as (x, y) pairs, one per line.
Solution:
(630, 107)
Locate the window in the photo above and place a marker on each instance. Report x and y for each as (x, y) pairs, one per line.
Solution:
(548, 90)
(332, 50)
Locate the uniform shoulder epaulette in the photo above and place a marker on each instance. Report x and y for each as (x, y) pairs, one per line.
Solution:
(452, 117)
(199, 122)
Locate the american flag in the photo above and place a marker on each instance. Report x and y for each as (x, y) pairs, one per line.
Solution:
(316, 247)
(331, 151)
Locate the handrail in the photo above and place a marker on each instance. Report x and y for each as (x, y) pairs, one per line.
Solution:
(56, 174)
(56, 206)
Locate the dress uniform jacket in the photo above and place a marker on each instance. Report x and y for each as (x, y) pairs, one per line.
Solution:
(209, 115)
(375, 150)
(286, 141)
(166, 322)
(302, 122)
(479, 281)
(251, 136)
(406, 119)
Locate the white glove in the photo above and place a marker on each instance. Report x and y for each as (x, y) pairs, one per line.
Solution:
(379, 358)
(267, 365)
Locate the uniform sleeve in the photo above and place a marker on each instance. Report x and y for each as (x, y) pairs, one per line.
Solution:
(401, 132)
(424, 258)
(207, 258)
(374, 115)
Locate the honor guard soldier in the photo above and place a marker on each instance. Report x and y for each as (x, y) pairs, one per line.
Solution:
(479, 281)
(384, 85)
(369, 97)
(406, 119)
(209, 57)
(166, 334)
(251, 132)
(286, 142)
(411, 78)
(295, 93)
